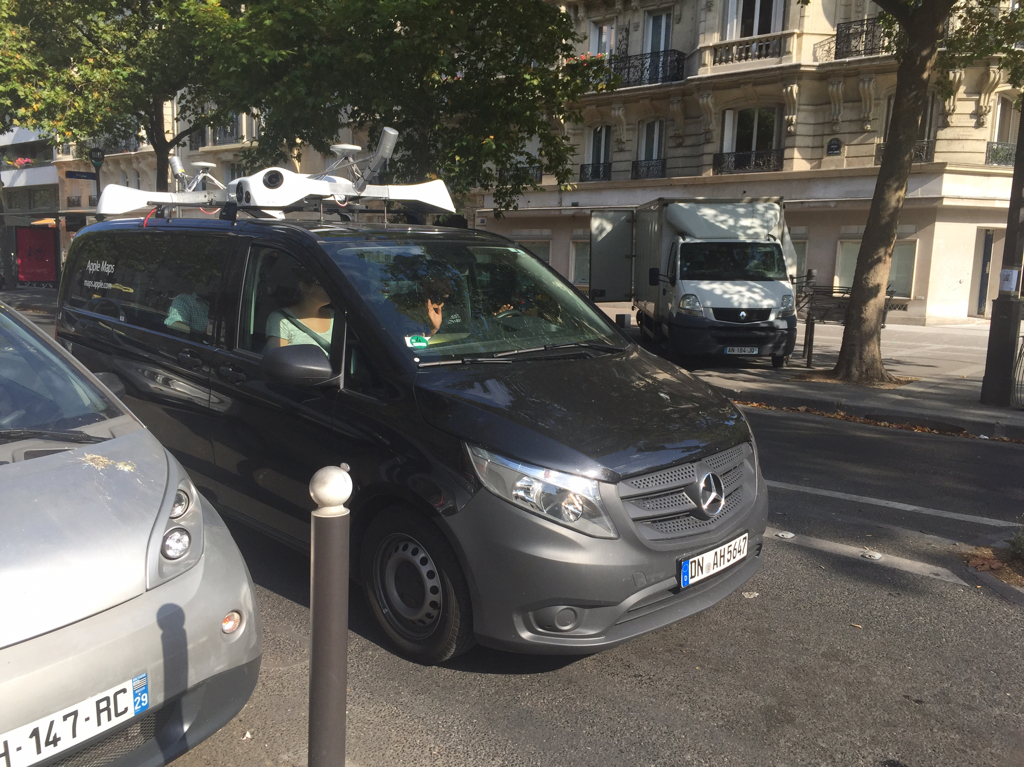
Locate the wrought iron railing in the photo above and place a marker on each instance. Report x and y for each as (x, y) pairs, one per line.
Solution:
(93, 200)
(924, 151)
(197, 140)
(865, 37)
(999, 153)
(747, 162)
(227, 134)
(121, 147)
(649, 68)
(825, 50)
(648, 169)
(536, 174)
(75, 201)
(600, 171)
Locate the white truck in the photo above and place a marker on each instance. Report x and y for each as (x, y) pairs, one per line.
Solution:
(710, 276)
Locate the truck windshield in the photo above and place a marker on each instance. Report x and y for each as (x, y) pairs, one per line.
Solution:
(445, 298)
(731, 261)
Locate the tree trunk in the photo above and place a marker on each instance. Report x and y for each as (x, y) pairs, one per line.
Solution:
(8, 261)
(161, 146)
(860, 356)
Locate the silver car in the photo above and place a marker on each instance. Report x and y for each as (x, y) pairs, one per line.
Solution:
(128, 623)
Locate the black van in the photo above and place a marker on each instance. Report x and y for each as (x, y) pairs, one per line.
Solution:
(524, 475)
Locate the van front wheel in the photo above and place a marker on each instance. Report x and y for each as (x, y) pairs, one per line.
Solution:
(416, 588)
(778, 361)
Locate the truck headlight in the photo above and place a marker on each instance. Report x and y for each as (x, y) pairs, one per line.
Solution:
(786, 306)
(690, 304)
(565, 499)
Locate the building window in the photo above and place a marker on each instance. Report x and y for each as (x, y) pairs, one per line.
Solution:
(601, 145)
(800, 247)
(750, 130)
(235, 170)
(138, 180)
(929, 122)
(124, 178)
(658, 32)
(650, 146)
(1007, 121)
(539, 248)
(581, 262)
(602, 38)
(748, 18)
(901, 272)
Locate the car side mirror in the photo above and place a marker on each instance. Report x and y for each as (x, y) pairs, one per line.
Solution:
(297, 365)
(653, 277)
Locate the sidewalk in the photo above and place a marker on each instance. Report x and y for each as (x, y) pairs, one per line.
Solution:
(948, 360)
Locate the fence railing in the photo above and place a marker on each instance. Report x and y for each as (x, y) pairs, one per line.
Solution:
(75, 201)
(648, 169)
(1000, 153)
(93, 200)
(748, 162)
(865, 37)
(649, 68)
(750, 48)
(601, 171)
(924, 151)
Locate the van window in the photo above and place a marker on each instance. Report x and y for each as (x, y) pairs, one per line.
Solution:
(757, 261)
(160, 282)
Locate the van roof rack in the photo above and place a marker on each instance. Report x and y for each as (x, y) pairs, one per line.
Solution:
(270, 192)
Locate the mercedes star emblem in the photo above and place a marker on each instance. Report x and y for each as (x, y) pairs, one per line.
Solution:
(710, 496)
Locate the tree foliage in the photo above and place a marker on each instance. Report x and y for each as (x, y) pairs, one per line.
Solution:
(107, 69)
(477, 90)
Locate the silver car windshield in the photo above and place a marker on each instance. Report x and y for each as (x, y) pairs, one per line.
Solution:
(758, 261)
(446, 299)
(39, 391)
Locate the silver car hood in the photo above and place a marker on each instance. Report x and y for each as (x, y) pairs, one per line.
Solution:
(75, 527)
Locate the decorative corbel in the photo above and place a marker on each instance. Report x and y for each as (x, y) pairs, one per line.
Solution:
(619, 119)
(990, 79)
(707, 111)
(645, 110)
(749, 93)
(835, 95)
(675, 106)
(620, 6)
(867, 101)
(678, 18)
(591, 115)
(791, 93)
(956, 79)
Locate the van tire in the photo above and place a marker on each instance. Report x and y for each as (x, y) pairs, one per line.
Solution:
(415, 587)
(778, 361)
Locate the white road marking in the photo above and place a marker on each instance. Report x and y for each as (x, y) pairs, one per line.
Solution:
(856, 552)
(892, 505)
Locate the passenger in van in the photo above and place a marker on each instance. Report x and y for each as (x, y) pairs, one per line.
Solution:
(188, 312)
(307, 319)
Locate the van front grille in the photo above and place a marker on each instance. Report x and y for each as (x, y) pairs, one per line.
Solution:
(741, 315)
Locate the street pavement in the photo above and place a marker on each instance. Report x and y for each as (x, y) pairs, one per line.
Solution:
(825, 657)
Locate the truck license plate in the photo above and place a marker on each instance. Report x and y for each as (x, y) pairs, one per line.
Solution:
(707, 564)
(741, 350)
(39, 740)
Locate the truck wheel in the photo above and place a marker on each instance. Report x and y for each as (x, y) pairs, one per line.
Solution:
(416, 588)
(778, 360)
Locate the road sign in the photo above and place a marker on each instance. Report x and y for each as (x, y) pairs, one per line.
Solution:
(96, 155)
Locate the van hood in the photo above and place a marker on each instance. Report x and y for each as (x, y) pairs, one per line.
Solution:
(76, 530)
(607, 417)
(738, 294)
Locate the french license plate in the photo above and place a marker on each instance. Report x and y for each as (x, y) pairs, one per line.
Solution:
(741, 350)
(707, 564)
(41, 739)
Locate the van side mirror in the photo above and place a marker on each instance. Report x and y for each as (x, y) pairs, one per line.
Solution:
(653, 277)
(297, 365)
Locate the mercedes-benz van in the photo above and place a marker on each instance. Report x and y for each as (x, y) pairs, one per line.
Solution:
(524, 475)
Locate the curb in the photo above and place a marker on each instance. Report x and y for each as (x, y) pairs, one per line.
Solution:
(1005, 590)
(951, 422)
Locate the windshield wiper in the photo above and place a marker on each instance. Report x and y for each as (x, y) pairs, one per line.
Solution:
(569, 345)
(462, 361)
(13, 435)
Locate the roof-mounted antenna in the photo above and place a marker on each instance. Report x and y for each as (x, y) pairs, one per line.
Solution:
(344, 153)
(385, 148)
(203, 175)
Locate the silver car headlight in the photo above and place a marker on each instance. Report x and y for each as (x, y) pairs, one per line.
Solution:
(690, 304)
(786, 306)
(176, 545)
(565, 499)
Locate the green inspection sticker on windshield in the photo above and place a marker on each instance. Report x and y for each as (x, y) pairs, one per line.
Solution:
(416, 342)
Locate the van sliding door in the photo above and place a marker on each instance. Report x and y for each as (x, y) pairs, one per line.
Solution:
(611, 255)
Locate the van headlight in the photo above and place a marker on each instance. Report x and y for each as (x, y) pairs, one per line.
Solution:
(565, 499)
(786, 306)
(690, 304)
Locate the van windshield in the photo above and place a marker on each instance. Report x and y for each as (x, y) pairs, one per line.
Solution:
(444, 298)
(760, 261)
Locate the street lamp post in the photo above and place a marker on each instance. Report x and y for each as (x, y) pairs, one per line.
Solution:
(997, 385)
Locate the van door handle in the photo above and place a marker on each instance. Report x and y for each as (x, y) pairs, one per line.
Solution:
(189, 360)
(664, 291)
(231, 374)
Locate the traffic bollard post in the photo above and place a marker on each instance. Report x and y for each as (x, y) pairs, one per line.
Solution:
(330, 488)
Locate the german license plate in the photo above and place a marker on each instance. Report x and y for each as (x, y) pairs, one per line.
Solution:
(39, 740)
(705, 565)
(741, 350)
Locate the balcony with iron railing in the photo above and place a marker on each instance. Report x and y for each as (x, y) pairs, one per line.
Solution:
(1000, 153)
(924, 151)
(536, 174)
(649, 68)
(227, 134)
(601, 171)
(93, 200)
(747, 162)
(75, 201)
(648, 169)
(853, 39)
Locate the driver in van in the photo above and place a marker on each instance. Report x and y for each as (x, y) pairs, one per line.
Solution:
(306, 316)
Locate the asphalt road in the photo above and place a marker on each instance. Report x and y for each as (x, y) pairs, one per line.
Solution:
(825, 658)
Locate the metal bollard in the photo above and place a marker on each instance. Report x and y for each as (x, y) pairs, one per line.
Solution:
(330, 488)
(809, 340)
